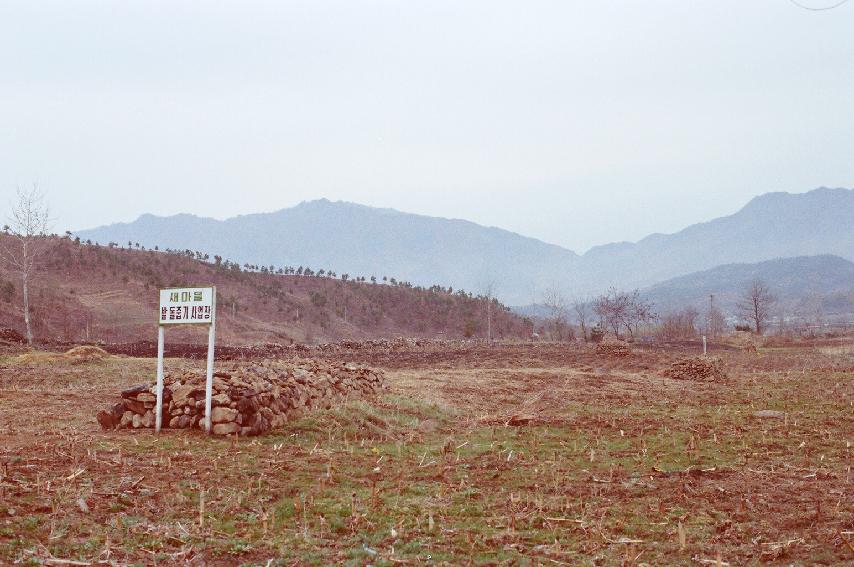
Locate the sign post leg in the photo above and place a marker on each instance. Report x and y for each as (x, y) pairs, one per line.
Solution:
(158, 415)
(209, 382)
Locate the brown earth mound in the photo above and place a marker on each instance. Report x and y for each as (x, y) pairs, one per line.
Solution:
(38, 357)
(700, 369)
(613, 348)
(81, 354)
(76, 355)
(248, 399)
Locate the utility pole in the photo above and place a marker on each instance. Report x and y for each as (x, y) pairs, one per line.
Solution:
(711, 314)
(489, 320)
(488, 295)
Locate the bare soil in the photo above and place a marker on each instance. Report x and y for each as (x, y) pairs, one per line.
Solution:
(499, 454)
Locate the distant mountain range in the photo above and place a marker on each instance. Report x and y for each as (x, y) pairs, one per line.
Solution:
(361, 240)
(804, 285)
(774, 225)
(355, 239)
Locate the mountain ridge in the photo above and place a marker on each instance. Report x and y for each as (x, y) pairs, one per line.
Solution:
(148, 217)
(350, 237)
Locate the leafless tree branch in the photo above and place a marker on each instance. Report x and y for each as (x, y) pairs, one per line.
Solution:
(28, 225)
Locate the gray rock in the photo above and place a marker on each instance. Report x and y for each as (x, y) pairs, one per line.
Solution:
(127, 419)
(135, 406)
(223, 415)
(225, 428)
(220, 400)
(180, 422)
(134, 390)
(148, 419)
(769, 414)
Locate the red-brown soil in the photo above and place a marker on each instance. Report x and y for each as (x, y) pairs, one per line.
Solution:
(489, 454)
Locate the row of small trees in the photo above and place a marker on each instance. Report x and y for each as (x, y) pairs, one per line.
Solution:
(753, 308)
(627, 313)
(306, 271)
(615, 311)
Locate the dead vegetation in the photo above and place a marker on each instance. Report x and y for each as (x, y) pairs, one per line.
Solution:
(509, 454)
(11, 337)
(76, 355)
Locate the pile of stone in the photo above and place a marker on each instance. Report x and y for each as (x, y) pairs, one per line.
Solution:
(342, 350)
(699, 369)
(613, 348)
(274, 350)
(248, 398)
(376, 344)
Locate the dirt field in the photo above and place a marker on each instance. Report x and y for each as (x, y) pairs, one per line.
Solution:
(512, 454)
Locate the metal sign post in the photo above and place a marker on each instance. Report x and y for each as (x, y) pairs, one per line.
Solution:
(209, 377)
(158, 416)
(186, 306)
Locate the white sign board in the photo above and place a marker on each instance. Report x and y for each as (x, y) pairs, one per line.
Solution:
(186, 306)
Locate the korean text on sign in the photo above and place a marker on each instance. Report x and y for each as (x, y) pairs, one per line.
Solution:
(186, 306)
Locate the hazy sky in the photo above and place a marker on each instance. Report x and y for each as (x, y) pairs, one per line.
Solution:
(577, 122)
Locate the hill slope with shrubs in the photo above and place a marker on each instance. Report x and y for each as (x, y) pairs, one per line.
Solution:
(93, 293)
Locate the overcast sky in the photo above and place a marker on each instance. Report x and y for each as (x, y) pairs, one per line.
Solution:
(577, 122)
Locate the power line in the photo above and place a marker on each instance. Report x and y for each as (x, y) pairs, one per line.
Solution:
(811, 9)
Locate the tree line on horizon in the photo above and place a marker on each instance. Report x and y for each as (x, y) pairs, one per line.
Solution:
(306, 271)
(626, 314)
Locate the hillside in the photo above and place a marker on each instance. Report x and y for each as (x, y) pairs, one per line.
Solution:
(84, 292)
(804, 285)
(360, 240)
(426, 250)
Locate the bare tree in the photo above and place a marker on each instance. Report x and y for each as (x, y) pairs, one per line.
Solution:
(623, 310)
(679, 325)
(756, 303)
(555, 305)
(28, 226)
(581, 307)
(611, 308)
